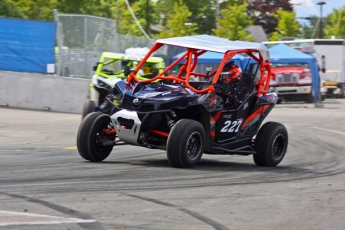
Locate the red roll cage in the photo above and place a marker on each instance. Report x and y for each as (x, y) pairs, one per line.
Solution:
(191, 59)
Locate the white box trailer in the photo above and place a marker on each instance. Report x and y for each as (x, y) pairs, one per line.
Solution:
(330, 54)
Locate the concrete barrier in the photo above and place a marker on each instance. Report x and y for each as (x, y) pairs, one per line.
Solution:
(43, 92)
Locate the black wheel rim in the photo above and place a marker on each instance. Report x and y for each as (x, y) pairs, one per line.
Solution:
(101, 136)
(194, 145)
(278, 147)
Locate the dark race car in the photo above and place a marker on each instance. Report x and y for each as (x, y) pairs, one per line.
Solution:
(194, 112)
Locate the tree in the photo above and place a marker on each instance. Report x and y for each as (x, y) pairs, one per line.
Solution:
(101, 8)
(202, 13)
(10, 10)
(37, 10)
(335, 25)
(287, 26)
(262, 10)
(126, 23)
(311, 28)
(233, 23)
(143, 10)
(178, 22)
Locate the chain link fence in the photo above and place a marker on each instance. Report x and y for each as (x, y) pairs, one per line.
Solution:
(82, 38)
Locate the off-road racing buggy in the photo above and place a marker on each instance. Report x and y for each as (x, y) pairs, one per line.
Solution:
(188, 118)
(109, 70)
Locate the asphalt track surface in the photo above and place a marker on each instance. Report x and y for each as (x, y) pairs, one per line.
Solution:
(45, 184)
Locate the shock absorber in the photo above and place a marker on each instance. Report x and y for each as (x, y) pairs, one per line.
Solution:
(170, 121)
(108, 99)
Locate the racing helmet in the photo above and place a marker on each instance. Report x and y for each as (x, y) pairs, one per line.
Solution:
(231, 70)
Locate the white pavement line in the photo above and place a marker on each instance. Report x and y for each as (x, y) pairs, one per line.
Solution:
(19, 218)
(330, 130)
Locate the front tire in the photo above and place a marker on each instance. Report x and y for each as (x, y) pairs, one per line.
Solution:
(89, 107)
(270, 144)
(186, 143)
(92, 142)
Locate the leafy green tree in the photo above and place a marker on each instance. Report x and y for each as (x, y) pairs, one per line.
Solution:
(178, 22)
(9, 10)
(288, 26)
(309, 27)
(126, 22)
(233, 23)
(101, 8)
(203, 13)
(306, 31)
(335, 25)
(37, 10)
(146, 20)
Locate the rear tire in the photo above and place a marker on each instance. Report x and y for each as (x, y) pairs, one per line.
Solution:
(89, 107)
(91, 135)
(186, 143)
(270, 144)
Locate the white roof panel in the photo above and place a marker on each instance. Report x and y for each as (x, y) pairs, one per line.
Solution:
(215, 44)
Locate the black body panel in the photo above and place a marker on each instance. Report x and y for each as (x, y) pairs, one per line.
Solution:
(229, 129)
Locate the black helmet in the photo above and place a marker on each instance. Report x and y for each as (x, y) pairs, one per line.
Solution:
(228, 66)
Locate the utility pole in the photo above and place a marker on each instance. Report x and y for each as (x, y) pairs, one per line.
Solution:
(321, 25)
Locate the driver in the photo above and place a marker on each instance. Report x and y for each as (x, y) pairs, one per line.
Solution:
(233, 89)
(231, 71)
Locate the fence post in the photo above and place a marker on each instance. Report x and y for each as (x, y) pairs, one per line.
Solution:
(59, 41)
(85, 46)
(117, 37)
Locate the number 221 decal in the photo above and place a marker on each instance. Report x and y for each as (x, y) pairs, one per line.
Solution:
(231, 126)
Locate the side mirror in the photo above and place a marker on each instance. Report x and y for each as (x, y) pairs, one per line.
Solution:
(126, 71)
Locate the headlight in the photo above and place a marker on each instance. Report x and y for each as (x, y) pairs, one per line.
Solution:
(279, 78)
(295, 77)
(102, 84)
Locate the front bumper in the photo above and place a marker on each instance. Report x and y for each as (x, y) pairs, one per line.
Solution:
(286, 90)
(295, 90)
(127, 125)
(132, 126)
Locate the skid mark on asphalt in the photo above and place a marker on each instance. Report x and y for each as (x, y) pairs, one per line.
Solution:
(330, 130)
(59, 208)
(19, 218)
(198, 216)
